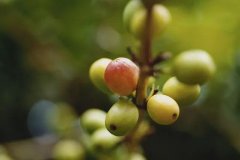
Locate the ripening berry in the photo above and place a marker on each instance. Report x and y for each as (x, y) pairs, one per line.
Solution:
(161, 17)
(184, 94)
(122, 117)
(194, 67)
(121, 76)
(68, 150)
(130, 10)
(96, 73)
(162, 109)
(102, 139)
(93, 119)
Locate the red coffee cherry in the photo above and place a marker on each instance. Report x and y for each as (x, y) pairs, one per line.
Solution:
(121, 76)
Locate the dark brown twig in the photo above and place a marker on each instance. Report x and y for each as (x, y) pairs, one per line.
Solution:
(133, 55)
(163, 56)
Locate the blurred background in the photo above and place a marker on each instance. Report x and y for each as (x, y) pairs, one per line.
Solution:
(47, 47)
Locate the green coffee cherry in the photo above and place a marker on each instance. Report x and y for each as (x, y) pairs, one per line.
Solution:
(93, 119)
(102, 139)
(121, 76)
(61, 120)
(162, 109)
(96, 74)
(183, 93)
(5, 157)
(130, 10)
(194, 67)
(137, 156)
(4, 154)
(160, 19)
(150, 81)
(122, 117)
(68, 150)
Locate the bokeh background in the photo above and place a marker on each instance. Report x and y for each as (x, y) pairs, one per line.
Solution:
(47, 47)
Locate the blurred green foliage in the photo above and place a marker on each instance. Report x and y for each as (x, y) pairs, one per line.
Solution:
(47, 46)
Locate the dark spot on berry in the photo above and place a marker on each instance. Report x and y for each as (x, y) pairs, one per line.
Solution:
(174, 116)
(113, 127)
(98, 147)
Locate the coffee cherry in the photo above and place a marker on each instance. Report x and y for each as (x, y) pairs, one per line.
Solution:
(5, 157)
(122, 117)
(68, 150)
(194, 67)
(121, 76)
(93, 119)
(137, 156)
(162, 109)
(3, 154)
(160, 19)
(96, 73)
(130, 10)
(150, 81)
(61, 118)
(183, 93)
(102, 139)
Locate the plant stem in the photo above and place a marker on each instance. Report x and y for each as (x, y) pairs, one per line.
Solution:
(145, 62)
(145, 58)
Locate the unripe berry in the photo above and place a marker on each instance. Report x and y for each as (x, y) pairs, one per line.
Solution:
(121, 76)
(68, 150)
(102, 139)
(3, 154)
(136, 156)
(159, 21)
(96, 73)
(130, 10)
(183, 93)
(62, 118)
(5, 157)
(162, 109)
(93, 119)
(194, 67)
(122, 117)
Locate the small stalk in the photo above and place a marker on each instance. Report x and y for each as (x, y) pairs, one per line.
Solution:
(145, 59)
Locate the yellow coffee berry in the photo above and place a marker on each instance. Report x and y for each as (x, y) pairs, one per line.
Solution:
(162, 109)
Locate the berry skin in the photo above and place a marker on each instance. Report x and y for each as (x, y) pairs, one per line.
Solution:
(130, 10)
(96, 73)
(184, 94)
(162, 109)
(122, 117)
(121, 76)
(102, 139)
(68, 149)
(161, 17)
(93, 119)
(194, 67)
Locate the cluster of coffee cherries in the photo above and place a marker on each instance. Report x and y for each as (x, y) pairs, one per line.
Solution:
(102, 144)
(121, 76)
(124, 77)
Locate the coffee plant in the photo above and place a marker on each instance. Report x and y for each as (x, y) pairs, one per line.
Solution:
(116, 135)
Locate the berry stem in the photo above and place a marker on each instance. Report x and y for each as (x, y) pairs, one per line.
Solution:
(145, 60)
